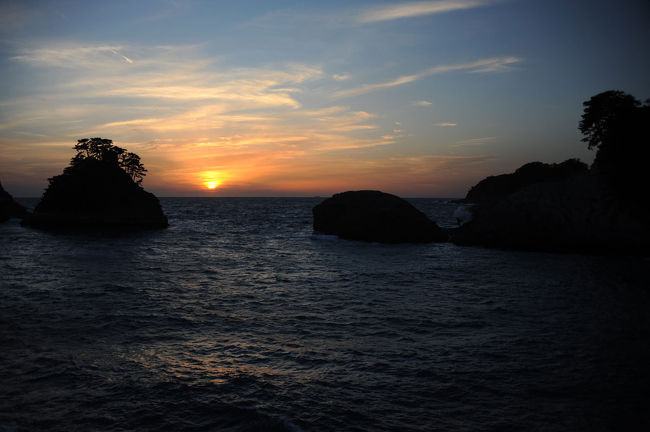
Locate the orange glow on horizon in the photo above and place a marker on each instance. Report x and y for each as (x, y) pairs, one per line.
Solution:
(211, 179)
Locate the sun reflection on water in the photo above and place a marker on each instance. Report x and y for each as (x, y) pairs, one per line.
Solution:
(207, 367)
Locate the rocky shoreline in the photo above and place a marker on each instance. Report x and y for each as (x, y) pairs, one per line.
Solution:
(540, 207)
(572, 215)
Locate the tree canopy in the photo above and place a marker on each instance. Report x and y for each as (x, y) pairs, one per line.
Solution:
(604, 115)
(617, 126)
(103, 149)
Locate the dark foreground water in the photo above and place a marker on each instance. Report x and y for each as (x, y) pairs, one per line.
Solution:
(238, 318)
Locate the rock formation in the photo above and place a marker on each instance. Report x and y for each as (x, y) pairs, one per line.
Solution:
(566, 215)
(494, 188)
(9, 207)
(96, 194)
(374, 216)
(566, 206)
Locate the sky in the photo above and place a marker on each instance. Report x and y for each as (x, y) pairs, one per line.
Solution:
(310, 98)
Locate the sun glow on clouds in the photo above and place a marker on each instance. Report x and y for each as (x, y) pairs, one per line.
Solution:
(211, 179)
(489, 65)
(413, 9)
(294, 97)
(201, 126)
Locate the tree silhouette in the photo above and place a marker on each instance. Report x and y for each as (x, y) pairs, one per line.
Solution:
(617, 125)
(603, 116)
(103, 150)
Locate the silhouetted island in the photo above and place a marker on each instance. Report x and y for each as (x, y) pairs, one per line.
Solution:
(374, 216)
(565, 215)
(493, 188)
(9, 208)
(566, 207)
(99, 190)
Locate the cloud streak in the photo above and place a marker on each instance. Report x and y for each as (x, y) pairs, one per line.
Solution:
(414, 9)
(73, 56)
(181, 109)
(475, 141)
(489, 65)
(187, 114)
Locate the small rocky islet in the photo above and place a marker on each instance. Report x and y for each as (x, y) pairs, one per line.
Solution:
(376, 216)
(100, 190)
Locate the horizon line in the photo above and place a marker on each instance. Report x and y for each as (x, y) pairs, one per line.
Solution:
(279, 196)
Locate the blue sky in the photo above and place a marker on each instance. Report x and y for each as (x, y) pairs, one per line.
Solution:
(310, 98)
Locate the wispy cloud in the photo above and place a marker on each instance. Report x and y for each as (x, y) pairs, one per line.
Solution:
(126, 59)
(77, 56)
(187, 113)
(422, 103)
(494, 64)
(179, 108)
(413, 9)
(167, 73)
(475, 141)
(341, 77)
(443, 124)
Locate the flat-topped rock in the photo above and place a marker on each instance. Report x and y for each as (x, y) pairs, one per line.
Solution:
(374, 216)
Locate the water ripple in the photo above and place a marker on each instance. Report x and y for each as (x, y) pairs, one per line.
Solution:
(238, 318)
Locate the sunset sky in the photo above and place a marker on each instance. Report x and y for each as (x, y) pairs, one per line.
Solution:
(288, 98)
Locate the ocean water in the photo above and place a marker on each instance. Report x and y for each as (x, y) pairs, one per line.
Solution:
(239, 318)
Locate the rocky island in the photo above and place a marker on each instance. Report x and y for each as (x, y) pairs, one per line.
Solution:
(374, 216)
(101, 189)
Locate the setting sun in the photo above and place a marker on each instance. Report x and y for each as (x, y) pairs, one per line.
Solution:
(211, 179)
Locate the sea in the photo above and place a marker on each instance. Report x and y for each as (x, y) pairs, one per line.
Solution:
(239, 317)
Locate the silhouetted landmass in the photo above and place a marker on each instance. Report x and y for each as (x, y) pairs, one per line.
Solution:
(97, 192)
(567, 215)
(566, 207)
(617, 126)
(374, 216)
(497, 187)
(9, 208)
